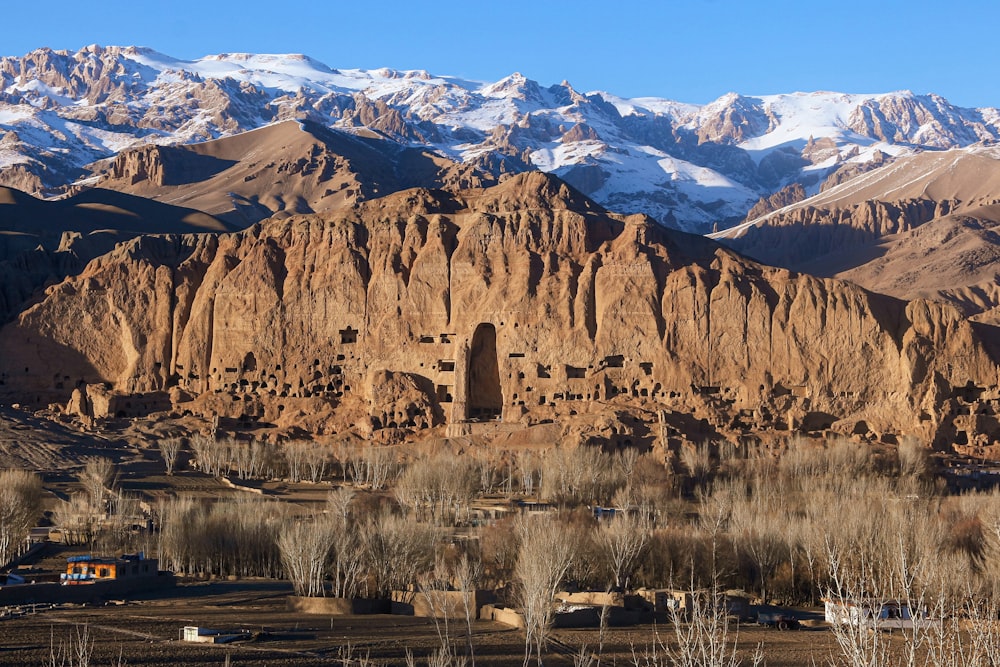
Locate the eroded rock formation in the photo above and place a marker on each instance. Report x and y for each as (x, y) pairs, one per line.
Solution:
(495, 308)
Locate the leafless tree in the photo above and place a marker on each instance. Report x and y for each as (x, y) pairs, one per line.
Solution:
(348, 553)
(20, 505)
(232, 537)
(528, 469)
(373, 466)
(98, 478)
(210, 455)
(579, 475)
(76, 651)
(467, 574)
(305, 548)
(697, 461)
(758, 527)
(621, 541)
(397, 550)
(706, 639)
(295, 456)
(913, 457)
(118, 531)
(253, 460)
(547, 550)
(76, 519)
(169, 449)
(440, 487)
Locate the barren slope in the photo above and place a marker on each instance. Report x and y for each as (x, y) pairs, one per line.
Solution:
(44, 241)
(922, 226)
(287, 168)
(523, 302)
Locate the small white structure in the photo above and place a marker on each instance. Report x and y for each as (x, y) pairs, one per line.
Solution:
(192, 633)
(877, 614)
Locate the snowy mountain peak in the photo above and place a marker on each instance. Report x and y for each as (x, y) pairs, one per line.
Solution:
(516, 86)
(690, 166)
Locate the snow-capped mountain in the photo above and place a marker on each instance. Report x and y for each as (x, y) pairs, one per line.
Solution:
(692, 167)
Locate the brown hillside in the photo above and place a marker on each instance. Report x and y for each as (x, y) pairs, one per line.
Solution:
(288, 168)
(516, 305)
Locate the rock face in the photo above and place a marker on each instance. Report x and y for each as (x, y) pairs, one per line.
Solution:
(923, 226)
(41, 242)
(494, 308)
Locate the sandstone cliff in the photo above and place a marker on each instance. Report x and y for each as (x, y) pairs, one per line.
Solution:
(520, 303)
(923, 226)
(41, 242)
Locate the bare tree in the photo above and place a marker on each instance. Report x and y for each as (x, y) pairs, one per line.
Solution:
(373, 466)
(397, 550)
(118, 531)
(98, 478)
(348, 558)
(621, 541)
(705, 640)
(547, 550)
(759, 532)
(580, 475)
(442, 485)
(76, 651)
(697, 461)
(20, 505)
(913, 457)
(306, 460)
(212, 456)
(467, 575)
(76, 519)
(169, 449)
(305, 548)
(232, 537)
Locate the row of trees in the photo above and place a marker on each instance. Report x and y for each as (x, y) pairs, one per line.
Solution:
(561, 475)
(20, 506)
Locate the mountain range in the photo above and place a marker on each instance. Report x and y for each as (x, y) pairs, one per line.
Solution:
(269, 240)
(64, 116)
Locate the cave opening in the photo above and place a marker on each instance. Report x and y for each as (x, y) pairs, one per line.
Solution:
(485, 397)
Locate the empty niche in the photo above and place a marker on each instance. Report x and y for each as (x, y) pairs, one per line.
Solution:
(427, 339)
(516, 355)
(574, 372)
(647, 367)
(614, 361)
(485, 399)
(444, 393)
(348, 336)
(447, 365)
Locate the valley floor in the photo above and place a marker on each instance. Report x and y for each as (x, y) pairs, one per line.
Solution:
(146, 633)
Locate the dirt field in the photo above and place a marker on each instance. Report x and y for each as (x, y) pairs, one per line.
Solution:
(146, 633)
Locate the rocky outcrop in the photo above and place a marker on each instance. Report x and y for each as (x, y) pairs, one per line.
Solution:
(788, 195)
(732, 119)
(852, 169)
(42, 242)
(795, 237)
(521, 303)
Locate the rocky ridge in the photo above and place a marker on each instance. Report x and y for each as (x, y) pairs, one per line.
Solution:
(42, 242)
(922, 226)
(494, 310)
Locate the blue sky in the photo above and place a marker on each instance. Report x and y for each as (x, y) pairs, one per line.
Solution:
(688, 50)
